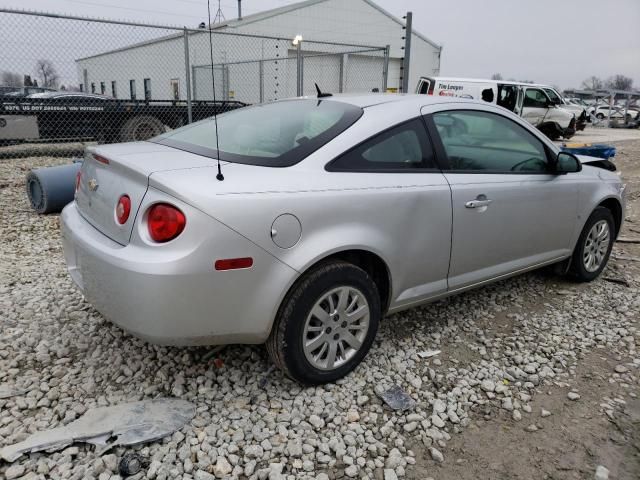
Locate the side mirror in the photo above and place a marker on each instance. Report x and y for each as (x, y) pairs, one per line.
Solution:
(567, 163)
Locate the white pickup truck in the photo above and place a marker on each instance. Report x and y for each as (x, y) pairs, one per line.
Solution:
(529, 101)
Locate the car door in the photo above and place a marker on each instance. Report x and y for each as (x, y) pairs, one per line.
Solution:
(405, 203)
(535, 106)
(509, 211)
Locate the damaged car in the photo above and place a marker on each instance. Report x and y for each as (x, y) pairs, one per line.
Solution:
(301, 223)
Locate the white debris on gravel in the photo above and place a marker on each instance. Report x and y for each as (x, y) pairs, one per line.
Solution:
(66, 359)
(602, 473)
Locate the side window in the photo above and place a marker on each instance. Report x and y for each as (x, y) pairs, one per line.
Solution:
(535, 98)
(488, 143)
(405, 146)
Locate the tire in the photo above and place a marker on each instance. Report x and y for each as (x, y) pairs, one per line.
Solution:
(295, 323)
(140, 128)
(600, 116)
(580, 268)
(550, 131)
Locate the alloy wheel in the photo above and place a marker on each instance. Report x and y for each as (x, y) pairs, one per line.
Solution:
(596, 246)
(336, 328)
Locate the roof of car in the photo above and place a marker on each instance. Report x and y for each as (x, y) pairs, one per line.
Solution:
(365, 100)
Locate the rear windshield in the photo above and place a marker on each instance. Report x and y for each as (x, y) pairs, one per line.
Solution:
(276, 134)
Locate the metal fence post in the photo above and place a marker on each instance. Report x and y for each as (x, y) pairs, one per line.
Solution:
(261, 73)
(195, 82)
(187, 72)
(299, 65)
(341, 75)
(407, 53)
(385, 68)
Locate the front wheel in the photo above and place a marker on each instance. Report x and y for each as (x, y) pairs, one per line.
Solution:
(326, 324)
(594, 246)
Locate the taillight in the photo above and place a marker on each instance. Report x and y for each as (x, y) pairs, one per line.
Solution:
(165, 222)
(123, 209)
(78, 178)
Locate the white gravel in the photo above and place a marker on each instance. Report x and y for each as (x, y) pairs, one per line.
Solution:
(67, 359)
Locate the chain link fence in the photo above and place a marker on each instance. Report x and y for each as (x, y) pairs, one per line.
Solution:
(66, 81)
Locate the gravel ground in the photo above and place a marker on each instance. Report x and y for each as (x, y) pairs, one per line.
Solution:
(537, 378)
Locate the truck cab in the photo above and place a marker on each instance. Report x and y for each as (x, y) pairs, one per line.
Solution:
(531, 102)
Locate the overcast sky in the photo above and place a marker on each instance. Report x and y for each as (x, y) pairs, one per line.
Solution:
(559, 42)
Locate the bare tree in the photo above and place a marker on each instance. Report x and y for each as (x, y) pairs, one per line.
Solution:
(11, 79)
(592, 83)
(47, 73)
(619, 82)
(496, 76)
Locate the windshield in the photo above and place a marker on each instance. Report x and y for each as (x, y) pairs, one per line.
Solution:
(276, 134)
(553, 95)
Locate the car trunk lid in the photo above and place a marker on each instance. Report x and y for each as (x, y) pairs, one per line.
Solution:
(111, 171)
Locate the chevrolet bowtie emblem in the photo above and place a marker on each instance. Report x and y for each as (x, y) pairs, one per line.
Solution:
(93, 185)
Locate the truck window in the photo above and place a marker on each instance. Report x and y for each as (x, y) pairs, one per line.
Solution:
(553, 96)
(93, 87)
(425, 87)
(535, 98)
(114, 89)
(132, 89)
(103, 88)
(508, 96)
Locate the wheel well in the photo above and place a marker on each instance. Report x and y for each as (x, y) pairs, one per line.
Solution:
(616, 210)
(370, 263)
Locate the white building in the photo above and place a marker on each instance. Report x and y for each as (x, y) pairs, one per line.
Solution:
(254, 68)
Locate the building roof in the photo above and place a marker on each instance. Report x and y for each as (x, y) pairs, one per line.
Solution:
(255, 17)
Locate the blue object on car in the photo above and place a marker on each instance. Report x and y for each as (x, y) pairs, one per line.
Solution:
(593, 150)
(51, 188)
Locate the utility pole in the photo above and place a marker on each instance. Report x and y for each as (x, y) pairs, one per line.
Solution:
(239, 9)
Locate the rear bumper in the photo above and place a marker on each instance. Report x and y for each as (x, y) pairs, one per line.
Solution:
(174, 296)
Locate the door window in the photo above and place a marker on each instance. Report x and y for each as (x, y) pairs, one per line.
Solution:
(488, 143)
(403, 147)
(535, 98)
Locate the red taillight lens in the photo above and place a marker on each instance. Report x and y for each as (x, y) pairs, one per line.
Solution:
(165, 222)
(78, 178)
(123, 209)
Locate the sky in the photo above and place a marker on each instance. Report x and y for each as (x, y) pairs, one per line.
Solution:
(558, 42)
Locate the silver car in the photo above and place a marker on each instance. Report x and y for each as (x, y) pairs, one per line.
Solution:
(324, 215)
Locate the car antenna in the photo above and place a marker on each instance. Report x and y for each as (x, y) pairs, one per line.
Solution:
(322, 95)
(219, 176)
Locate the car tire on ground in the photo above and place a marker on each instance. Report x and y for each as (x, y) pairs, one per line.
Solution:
(594, 246)
(332, 312)
(140, 128)
(600, 116)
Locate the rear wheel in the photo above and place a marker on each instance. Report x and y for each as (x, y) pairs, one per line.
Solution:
(594, 246)
(141, 128)
(326, 324)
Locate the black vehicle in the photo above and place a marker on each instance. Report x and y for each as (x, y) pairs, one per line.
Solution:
(71, 116)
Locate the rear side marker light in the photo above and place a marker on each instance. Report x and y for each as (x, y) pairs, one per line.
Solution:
(123, 209)
(78, 179)
(234, 263)
(165, 222)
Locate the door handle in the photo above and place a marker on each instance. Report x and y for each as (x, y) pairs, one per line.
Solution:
(478, 203)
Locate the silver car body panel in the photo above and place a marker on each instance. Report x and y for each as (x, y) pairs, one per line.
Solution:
(415, 222)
